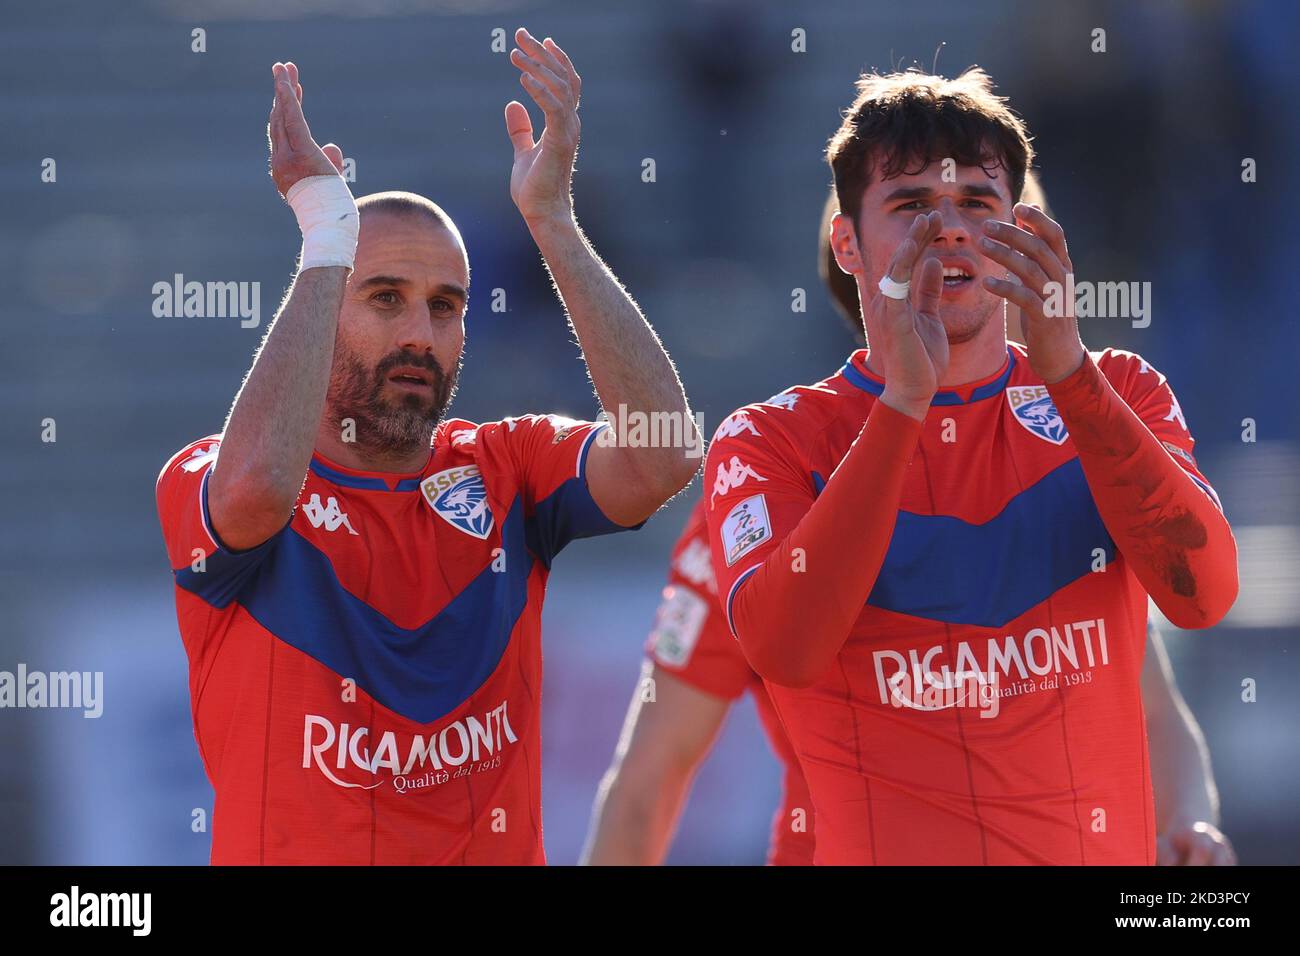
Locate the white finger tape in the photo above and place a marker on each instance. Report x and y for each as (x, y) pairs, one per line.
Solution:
(894, 290)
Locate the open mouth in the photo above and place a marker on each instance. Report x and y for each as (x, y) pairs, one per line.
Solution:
(956, 277)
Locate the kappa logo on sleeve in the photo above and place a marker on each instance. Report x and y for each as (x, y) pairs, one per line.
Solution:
(459, 496)
(1035, 410)
(731, 475)
(745, 528)
(735, 424)
(1175, 412)
(695, 564)
(200, 458)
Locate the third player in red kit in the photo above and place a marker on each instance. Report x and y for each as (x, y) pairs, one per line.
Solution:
(697, 673)
(939, 558)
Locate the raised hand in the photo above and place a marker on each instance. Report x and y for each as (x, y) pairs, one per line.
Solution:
(909, 341)
(1034, 251)
(543, 169)
(294, 154)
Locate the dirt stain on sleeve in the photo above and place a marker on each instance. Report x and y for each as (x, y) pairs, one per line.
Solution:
(1179, 534)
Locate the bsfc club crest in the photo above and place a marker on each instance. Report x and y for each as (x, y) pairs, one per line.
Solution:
(460, 497)
(1034, 409)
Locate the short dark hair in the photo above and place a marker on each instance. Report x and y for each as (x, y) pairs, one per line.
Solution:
(902, 122)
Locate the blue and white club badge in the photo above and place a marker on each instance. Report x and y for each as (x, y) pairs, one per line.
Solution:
(1034, 408)
(460, 497)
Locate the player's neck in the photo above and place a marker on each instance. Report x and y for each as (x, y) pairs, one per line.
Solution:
(330, 444)
(976, 359)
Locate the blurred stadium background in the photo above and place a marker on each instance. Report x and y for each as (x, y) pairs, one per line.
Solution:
(161, 169)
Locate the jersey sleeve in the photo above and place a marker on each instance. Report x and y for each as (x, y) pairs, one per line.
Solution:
(1149, 394)
(796, 561)
(201, 563)
(755, 494)
(1160, 511)
(690, 638)
(549, 456)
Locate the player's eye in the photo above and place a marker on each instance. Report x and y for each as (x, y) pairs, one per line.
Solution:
(387, 297)
(977, 204)
(914, 204)
(441, 306)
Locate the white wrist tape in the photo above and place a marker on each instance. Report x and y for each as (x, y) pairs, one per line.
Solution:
(327, 216)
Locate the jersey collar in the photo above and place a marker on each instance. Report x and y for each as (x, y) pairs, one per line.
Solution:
(855, 371)
(366, 480)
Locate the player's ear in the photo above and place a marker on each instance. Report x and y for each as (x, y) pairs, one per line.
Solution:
(844, 244)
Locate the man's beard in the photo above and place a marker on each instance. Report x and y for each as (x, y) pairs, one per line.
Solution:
(387, 429)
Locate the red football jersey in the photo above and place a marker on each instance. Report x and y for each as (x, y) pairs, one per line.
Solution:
(691, 641)
(985, 707)
(365, 684)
